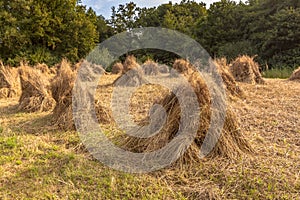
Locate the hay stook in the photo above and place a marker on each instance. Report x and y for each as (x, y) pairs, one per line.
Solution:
(10, 86)
(182, 67)
(62, 88)
(230, 84)
(150, 68)
(245, 69)
(36, 96)
(117, 68)
(164, 69)
(133, 75)
(230, 144)
(296, 75)
(130, 63)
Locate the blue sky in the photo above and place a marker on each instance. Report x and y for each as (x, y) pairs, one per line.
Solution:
(103, 7)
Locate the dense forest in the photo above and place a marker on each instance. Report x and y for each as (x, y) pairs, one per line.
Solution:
(45, 31)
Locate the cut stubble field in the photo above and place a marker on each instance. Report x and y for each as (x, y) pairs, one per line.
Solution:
(39, 161)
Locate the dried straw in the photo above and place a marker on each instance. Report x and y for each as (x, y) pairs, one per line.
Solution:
(296, 75)
(36, 96)
(245, 69)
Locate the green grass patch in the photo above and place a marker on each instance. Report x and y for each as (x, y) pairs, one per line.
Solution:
(283, 73)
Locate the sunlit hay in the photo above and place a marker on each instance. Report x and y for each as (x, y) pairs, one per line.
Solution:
(130, 63)
(231, 86)
(36, 96)
(231, 143)
(9, 82)
(104, 115)
(245, 69)
(53, 70)
(150, 68)
(76, 66)
(183, 67)
(296, 75)
(164, 69)
(132, 78)
(43, 68)
(62, 88)
(117, 68)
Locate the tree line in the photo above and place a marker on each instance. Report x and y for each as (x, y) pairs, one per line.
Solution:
(48, 30)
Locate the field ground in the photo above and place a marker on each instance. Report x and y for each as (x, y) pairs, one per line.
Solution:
(39, 162)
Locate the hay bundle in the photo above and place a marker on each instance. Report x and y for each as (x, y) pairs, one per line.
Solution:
(117, 68)
(133, 75)
(53, 70)
(62, 88)
(230, 144)
(228, 80)
(183, 67)
(9, 82)
(150, 68)
(132, 78)
(164, 69)
(130, 63)
(245, 69)
(43, 68)
(36, 96)
(295, 75)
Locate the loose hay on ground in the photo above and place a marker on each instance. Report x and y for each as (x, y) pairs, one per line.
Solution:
(245, 69)
(36, 96)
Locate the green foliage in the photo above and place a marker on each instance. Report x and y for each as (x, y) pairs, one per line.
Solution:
(45, 31)
(273, 29)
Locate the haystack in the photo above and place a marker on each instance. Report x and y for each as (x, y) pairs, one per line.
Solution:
(36, 96)
(183, 67)
(9, 82)
(53, 70)
(43, 68)
(164, 69)
(130, 63)
(133, 75)
(62, 88)
(150, 68)
(132, 78)
(117, 68)
(230, 144)
(296, 75)
(245, 69)
(230, 84)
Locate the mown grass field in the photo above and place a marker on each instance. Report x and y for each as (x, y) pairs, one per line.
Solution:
(38, 161)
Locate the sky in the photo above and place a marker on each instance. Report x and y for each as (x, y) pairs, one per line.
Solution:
(103, 7)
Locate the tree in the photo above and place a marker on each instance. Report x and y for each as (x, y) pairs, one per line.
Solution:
(124, 17)
(45, 31)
